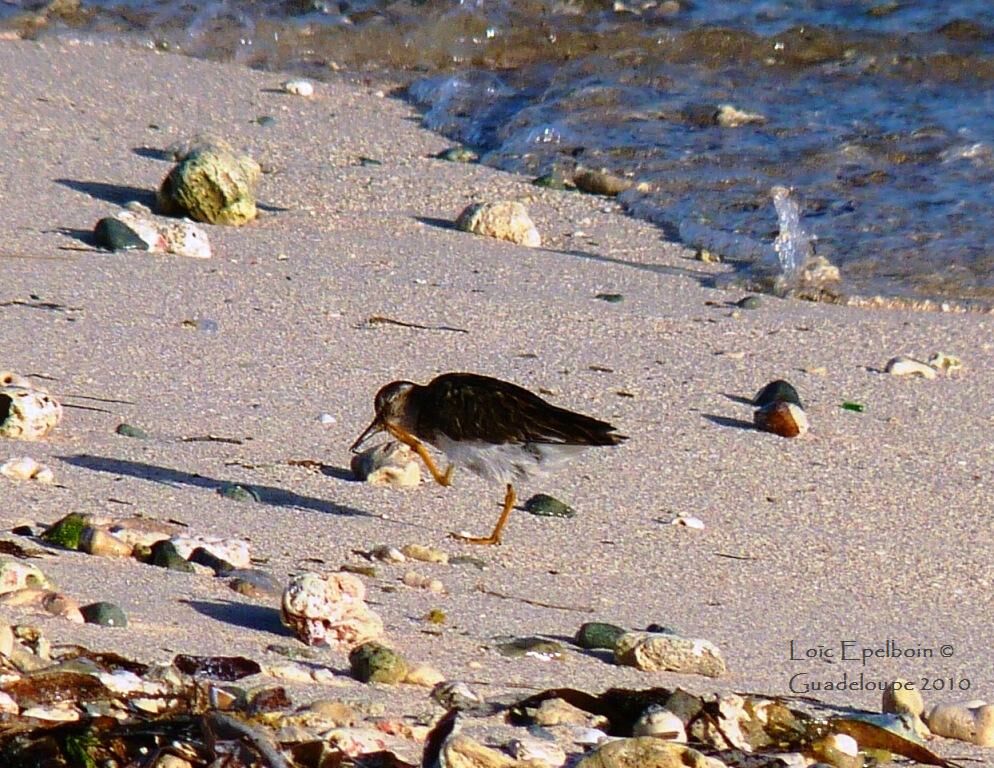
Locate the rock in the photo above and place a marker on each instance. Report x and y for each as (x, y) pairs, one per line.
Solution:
(254, 583)
(661, 723)
(212, 185)
(974, 724)
(778, 391)
(456, 694)
(26, 468)
(425, 554)
(458, 155)
(329, 609)
(299, 87)
(67, 532)
(601, 182)
(129, 430)
(388, 464)
(505, 220)
(179, 150)
(908, 366)
(646, 752)
(544, 753)
(97, 541)
(732, 117)
(15, 576)
(597, 634)
(373, 662)
(164, 555)
(900, 697)
(27, 412)
(105, 614)
(424, 675)
(460, 751)
(784, 419)
(656, 652)
(233, 551)
(544, 505)
(560, 712)
(140, 230)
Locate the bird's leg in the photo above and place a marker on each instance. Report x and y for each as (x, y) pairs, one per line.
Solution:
(410, 440)
(494, 537)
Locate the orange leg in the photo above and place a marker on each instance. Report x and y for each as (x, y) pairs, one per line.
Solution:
(442, 478)
(494, 537)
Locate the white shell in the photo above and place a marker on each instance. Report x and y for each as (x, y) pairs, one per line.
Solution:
(688, 521)
(908, 366)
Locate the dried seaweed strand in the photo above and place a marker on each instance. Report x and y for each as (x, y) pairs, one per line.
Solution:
(538, 603)
(381, 320)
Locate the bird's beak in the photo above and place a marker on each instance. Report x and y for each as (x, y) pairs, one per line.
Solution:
(376, 425)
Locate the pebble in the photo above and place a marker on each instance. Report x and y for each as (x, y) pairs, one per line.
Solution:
(388, 464)
(26, 468)
(610, 298)
(458, 155)
(254, 583)
(456, 694)
(749, 302)
(730, 116)
(15, 576)
(104, 614)
(211, 185)
(908, 366)
(544, 505)
(329, 609)
(233, 551)
(972, 722)
(425, 554)
(420, 581)
(600, 182)
(67, 531)
(900, 697)
(688, 521)
(299, 87)
(327, 418)
(373, 662)
(26, 412)
(129, 430)
(504, 220)
(164, 555)
(784, 419)
(545, 753)
(461, 751)
(598, 634)
(338, 713)
(657, 652)
(97, 541)
(138, 230)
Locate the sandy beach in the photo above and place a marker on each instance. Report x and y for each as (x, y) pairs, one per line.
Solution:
(871, 528)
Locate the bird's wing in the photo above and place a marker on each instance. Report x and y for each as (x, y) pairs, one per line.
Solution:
(467, 406)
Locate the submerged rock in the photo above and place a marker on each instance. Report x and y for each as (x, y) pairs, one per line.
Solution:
(504, 220)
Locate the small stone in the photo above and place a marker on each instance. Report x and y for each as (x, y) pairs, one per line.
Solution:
(424, 675)
(560, 712)
(556, 179)
(254, 583)
(206, 558)
(537, 751)
(329, 609)
(105, 614)
(238, 492)
(458, 155)
(476, 562)
(67, 531)
(388, 464)
(601, 182)
(425, 554)
(290, 672)
(908, 366)
(299, 87)
(164, 555)
(97, 541)
(974, 724)
(61, 605)
(778, 391)
(597, 634)
(537, 647)
(707, 256)
(900, 696)
(359, 569)
(505, 220)
(658, 652)
(420, 581)
(784, 419)
(456, 695)
(234, 552)
(610, 298)
(660, 722)
(544, 505)
(732, 117)
(211, 185)
(374, 662)
(387, 554)
(749, 302)
(26, 468)
(129, 430)
(115, 235)
(26, 412)
(646, 752)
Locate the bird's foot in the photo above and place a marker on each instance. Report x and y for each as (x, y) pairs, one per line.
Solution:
(487, 541)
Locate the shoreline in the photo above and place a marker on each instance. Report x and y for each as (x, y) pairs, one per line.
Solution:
(866, 528)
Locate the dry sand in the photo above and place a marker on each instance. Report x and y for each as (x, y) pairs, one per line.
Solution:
(874, 527)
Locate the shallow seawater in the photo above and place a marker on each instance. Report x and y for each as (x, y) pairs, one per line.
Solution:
(877, 115)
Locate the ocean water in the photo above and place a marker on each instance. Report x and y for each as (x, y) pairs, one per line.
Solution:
(878, 117)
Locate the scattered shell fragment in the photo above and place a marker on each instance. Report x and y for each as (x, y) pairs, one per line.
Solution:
(908, 366)
(660, 652)
(212, 185)
(388, 464)
(131, 230)
(504, 220)
(27, 412)
(299, 87)
(972, 722)
(26, 468)
(784, 419)
(425, 554)
(329, 608)
(420, 581)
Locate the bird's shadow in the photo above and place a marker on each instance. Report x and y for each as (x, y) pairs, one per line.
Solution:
(725, 421)
(258, 617)
(738, 399)
(267, 494)
(118, 194)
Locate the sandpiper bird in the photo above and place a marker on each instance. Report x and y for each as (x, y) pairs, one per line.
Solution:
(491, 427)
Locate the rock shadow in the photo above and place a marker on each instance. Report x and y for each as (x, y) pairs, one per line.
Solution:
(277, 497)
(118, 194)
(262, 618)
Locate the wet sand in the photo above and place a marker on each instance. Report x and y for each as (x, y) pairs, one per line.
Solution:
(873, 528)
